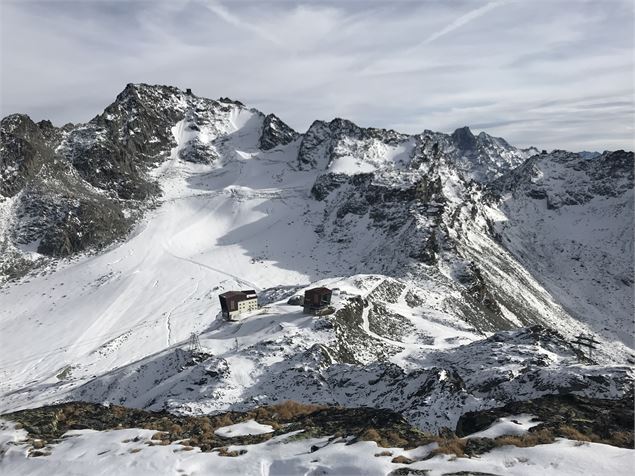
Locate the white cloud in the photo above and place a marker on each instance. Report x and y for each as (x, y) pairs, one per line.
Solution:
(559, 74)
(225, 15)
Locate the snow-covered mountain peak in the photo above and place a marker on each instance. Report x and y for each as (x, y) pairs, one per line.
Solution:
(326, 142)
(483, 158)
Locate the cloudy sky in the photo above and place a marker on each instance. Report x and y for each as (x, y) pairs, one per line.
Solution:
(550, 73)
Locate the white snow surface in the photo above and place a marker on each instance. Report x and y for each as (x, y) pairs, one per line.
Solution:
(515, 425)
(115, 452)
(249, 427)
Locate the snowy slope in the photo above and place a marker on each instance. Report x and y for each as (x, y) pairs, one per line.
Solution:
(569, 220)
(435, 243)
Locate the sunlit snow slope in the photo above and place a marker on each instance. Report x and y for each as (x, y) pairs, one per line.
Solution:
(101, 312)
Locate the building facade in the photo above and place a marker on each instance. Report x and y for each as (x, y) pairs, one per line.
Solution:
(317, 300)
(233, 304)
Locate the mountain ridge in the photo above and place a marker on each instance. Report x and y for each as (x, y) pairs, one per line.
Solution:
(445, 252)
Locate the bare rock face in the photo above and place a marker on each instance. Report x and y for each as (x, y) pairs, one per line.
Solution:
(275, 133)
(24, 149)
(54, 211)
(464, 139)
(325, 141)
(114, 150)
(80, 187)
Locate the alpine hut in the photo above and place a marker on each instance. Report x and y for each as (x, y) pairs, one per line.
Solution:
(317, 300)
(235, 303)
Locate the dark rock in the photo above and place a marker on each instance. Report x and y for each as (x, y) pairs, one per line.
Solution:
(409, 472)
(464, 139)
(23, 151)
(295, 300)
(275, 133)
(478, 446)
(589, 416)
(402, 460)
(445, 432)
(49, 423)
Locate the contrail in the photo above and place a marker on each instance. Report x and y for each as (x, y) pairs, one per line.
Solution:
(376, 66)
(463, 20)
(225, 15)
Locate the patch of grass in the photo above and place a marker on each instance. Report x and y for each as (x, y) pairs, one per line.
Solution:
(220, 421)
(392, 439)
(449, 446)
(371, 435)
(574, 434)
(531, 438)
(160, 435)
(623, 439)
(175, 430)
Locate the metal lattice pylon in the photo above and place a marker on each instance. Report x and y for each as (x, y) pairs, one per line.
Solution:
(193, 344)
(586, 341)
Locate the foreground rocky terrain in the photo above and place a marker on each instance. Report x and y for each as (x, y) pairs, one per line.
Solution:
(463, 268)
(407, 450)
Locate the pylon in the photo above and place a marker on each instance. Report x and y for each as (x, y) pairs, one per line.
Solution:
(193, 344)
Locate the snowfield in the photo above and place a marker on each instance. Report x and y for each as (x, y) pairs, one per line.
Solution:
(512, 425)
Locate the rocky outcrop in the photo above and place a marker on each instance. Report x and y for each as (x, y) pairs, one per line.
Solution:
(275, 133)
(483, 157)
(24, 148)
(48, 424)
(321, 143)
(567, 219)
(53, 209)
(608, 421)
